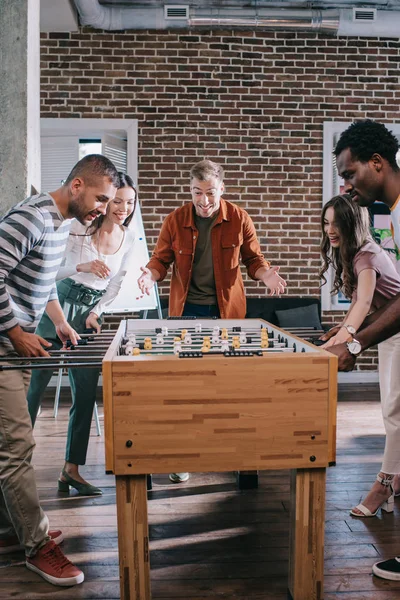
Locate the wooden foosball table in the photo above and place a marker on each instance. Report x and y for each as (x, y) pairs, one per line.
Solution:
(218, 395)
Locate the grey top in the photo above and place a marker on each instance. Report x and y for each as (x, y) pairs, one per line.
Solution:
(33, 237)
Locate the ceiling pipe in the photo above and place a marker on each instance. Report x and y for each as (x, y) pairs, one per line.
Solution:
(333, 22)
(267, 19)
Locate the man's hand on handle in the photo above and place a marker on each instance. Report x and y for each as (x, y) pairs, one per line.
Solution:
(28, 344)
(346, 359)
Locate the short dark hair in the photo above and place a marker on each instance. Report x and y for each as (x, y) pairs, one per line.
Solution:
(93, 166)
(365, 138)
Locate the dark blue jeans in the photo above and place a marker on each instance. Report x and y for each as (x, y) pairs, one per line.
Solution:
(200, 310)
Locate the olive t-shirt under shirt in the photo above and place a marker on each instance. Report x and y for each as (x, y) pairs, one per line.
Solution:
(202, 284)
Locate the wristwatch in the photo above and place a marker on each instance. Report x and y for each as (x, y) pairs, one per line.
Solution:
(350, 329)
(354, 347)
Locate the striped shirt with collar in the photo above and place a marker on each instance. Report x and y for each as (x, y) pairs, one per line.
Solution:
(33, 237)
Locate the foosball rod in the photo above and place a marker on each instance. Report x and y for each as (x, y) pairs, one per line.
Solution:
(63, 360)
(53, 366)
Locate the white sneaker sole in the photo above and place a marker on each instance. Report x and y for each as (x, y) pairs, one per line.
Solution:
(174, 479)
(63, 582)
(389, 575)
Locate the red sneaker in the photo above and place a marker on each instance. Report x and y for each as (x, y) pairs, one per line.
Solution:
(54, 566)
(11, 543)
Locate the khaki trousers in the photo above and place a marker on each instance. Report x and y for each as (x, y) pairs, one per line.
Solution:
(20, 511)
(389, 382)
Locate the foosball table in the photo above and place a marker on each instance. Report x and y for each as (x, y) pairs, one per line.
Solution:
(218, 395)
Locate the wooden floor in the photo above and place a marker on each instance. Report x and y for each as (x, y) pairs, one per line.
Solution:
(209, 541)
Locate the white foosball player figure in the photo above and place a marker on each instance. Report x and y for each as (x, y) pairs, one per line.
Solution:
(177, 345)
(224, 346)
(129, 349)
(187, 340)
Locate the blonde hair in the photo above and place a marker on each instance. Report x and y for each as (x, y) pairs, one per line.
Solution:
(205, 169)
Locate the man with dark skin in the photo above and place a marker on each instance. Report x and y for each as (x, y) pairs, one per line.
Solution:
(366, 160)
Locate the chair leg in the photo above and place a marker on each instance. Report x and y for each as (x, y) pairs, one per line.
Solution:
(57, 395)
(247, 480)
(96, 418)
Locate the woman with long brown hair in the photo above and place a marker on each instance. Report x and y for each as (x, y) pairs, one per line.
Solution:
(366, 275)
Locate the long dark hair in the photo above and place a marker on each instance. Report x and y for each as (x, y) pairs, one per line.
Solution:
(124, 181)
(353, 224)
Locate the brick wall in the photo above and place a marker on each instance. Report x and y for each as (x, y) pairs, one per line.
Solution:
(254, 101)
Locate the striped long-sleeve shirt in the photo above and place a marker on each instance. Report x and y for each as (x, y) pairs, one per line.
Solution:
(33, 237)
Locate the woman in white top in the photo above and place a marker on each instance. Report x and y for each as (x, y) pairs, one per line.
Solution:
(95, 264)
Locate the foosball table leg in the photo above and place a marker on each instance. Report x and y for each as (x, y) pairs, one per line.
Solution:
(133, 537)
(247, 480)
(307, 522)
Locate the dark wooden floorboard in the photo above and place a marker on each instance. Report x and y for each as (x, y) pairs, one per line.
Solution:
(208, 540)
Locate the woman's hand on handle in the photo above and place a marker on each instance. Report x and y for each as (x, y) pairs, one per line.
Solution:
(92, 322)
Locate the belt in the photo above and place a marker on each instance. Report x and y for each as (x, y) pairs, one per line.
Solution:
(80, 294)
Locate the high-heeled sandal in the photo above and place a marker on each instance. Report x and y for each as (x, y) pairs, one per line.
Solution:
(387, 505)
(84, 489)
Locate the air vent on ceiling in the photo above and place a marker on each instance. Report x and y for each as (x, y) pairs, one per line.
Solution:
(176, 11)
(366, 15)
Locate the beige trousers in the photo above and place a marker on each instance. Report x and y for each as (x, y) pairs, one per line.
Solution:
(389, 383)
(20, 511)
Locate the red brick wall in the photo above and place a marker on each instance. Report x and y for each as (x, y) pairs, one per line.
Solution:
(254, 102)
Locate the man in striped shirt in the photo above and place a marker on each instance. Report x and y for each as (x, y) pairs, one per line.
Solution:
(33, 238)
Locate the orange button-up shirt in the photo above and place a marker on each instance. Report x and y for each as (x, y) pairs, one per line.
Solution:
(233, 235)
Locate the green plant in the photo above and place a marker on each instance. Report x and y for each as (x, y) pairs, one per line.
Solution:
(382, 234)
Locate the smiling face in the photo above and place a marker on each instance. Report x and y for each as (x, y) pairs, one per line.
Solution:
(206, 196)
(363, 180)
(121, 206)
(89, 202)
(330, 228)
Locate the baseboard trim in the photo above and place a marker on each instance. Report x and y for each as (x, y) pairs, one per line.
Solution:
(358, 377)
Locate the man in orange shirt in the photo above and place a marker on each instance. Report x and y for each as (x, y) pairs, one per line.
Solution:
(204, 241)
